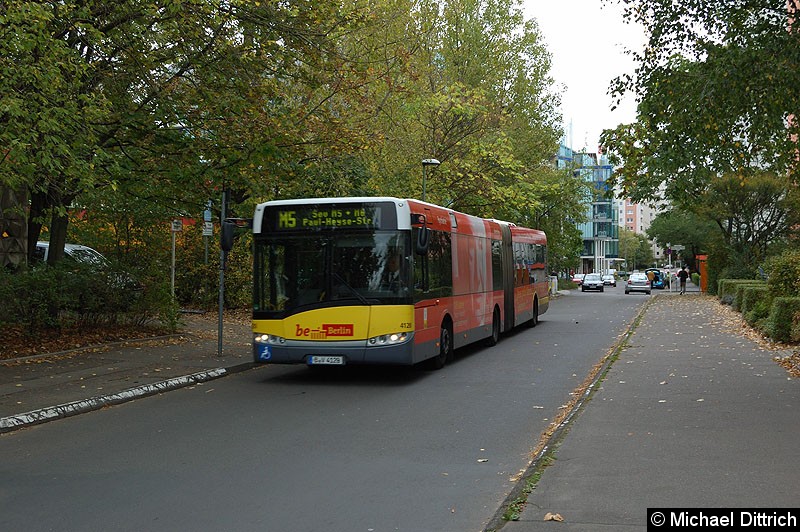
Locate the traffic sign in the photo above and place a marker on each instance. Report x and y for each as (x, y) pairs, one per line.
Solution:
(177, 226)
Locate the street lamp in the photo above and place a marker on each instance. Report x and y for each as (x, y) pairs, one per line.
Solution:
(427, 162)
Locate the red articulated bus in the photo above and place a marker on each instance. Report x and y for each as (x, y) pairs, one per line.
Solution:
(383, 280)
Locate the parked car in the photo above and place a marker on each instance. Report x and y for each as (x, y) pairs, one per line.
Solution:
(659, 279)
(638, 282)
(609, 280)
(578, 278)
(76, 252)
(592, 281)
(93, 258)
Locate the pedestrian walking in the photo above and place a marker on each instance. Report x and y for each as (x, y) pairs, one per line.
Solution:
(683, 275)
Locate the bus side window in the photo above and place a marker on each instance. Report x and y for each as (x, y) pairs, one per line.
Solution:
(519, 265)
(433, 272)
(421, 264)
(441, 265)
(497, 265)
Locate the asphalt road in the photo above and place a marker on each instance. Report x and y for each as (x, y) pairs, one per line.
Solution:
(287, 448)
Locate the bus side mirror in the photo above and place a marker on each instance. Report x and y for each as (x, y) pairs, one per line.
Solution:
(423, 234)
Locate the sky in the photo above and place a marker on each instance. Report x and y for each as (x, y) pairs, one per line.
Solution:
(587, 40)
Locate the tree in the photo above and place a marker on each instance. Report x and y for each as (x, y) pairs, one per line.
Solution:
(716, 86)
(138, 113)
(751, 213)
(47, 111)
(635, 249)
(559, 207)
(685, 228)
(92, 84)
(166, 103)
(741, 218)
(478, 99)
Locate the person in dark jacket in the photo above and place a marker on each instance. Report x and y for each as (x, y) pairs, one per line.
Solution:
(683, 275)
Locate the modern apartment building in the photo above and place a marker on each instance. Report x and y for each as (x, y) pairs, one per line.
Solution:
(601, 231)
(637, 217)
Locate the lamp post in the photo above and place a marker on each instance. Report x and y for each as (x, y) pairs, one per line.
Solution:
(427, 162)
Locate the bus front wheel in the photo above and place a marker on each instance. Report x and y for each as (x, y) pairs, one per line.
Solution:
(445, 348)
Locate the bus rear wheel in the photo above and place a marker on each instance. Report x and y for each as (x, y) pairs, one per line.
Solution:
(492, 340)
(535, 318)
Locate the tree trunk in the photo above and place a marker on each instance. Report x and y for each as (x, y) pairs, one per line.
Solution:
(13, 229)
(40, 202)
(58, 236)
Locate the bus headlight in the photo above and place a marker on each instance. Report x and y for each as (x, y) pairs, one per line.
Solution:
(386, 339)
(268, 339)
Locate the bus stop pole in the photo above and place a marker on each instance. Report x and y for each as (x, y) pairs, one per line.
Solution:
(222, 256)
(172, 268)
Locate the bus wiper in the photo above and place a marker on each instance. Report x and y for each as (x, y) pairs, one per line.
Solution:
(361, 298)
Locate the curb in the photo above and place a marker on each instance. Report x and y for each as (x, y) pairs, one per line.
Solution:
(42, 415)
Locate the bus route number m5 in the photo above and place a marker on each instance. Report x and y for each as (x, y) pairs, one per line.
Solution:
(287, 220)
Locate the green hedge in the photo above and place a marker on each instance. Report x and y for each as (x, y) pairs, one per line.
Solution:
(739, 291)
(784, 273)
(727, 288)
(783, 323)
(78, 295)
(755, 304)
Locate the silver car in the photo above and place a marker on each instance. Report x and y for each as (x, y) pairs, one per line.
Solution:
(638, 282)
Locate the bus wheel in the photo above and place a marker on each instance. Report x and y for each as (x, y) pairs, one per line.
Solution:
(445, 348)
(492, 340)
(535, 319)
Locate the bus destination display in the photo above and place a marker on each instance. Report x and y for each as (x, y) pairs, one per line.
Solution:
(327, 217)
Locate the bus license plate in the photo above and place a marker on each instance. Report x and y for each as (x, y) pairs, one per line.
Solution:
(325, 360)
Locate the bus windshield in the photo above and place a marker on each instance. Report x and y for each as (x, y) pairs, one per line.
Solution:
(294, 273)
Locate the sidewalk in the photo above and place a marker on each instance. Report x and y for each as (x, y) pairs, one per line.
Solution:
(693, 414)
(38, 389)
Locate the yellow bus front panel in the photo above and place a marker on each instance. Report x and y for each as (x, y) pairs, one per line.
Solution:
(338, 335)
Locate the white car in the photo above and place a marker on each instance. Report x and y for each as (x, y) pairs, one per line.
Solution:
(93, 258)
(79, 253)
(609, 280)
